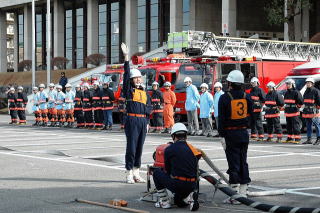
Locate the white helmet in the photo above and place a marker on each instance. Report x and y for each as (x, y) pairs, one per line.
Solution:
(187, 79)
(86, 85)
(178, 127)
(271, 84)
(68, 85)
(236, 76)
(96, 83)
(135, 73)
(167, 84)
(255, 80)
(42, 86)
(155, 83)
(20, 88)
(204, 85)
(35, 89)
(51, 85)
(217, 84)
(12, 89)
(310, 80)
(59, 87)
(78, 86)
(290, 81)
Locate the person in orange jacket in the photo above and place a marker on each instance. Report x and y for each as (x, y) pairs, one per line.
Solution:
(169, 99)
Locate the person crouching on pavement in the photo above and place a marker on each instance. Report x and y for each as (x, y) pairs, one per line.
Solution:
(138, 106)
(234, 108)
(206, 104)
(181, 171)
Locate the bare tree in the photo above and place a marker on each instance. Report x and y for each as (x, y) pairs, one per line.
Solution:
(95, 59)
(25, 65)
(59, 62)
(276, 16)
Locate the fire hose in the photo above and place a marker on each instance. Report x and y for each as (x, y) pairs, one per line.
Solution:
(244, 200)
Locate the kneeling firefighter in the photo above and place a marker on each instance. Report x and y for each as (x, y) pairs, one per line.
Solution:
(181, 171)
(234, 108)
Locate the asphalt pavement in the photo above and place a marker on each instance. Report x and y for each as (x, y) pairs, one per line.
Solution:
(46, 169)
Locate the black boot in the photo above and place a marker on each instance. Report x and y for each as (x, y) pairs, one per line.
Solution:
(317, 142)
(308, 141)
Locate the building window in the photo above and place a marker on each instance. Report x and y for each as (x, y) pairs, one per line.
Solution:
(114, 32)
(75, 34)
(110, 29)
(39, 40)
(20, 38)
(185, 15)
(80, 38)
(103, 29)
(153, 23)
(68, 37)
(142, 26)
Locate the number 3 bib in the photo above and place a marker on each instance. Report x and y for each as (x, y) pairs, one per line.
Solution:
(239, 108)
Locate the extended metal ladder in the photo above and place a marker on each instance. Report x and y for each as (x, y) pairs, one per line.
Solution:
(207, 44)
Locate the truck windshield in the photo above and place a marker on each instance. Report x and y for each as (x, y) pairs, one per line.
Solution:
(282, 88)
(199, 73)
(148, 77)
(113, 78)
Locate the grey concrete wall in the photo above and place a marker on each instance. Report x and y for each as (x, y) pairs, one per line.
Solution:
(16, 48)
(27, 32)
(175, 15)
(93, 27)
(58, 29)
(131, 29)
(208, 16)
(251, 16)
(3, 42)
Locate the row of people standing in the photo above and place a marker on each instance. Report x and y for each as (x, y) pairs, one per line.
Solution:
(294, 105)
(91, 109)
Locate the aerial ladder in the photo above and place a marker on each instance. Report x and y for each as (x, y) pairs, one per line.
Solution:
(207, 44)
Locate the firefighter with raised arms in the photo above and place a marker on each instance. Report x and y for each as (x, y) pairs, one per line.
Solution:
(258, 97)
(180, 174)
(311, 101)
(274, 102)
(138, 106)
(234, 108)
(293, 102)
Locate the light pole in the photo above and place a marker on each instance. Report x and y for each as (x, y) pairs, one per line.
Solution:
(48, 42)
(33, 69)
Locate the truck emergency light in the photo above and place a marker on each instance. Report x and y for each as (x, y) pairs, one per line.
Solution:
(310, 71)
(136, 60)
(115, 66)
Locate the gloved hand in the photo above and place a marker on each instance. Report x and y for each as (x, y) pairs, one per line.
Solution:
(223, 143)
(125, 51)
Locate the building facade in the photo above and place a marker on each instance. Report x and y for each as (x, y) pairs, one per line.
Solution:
(80, 28)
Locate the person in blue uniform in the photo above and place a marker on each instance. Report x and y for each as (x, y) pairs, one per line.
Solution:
(138, 106)
(181, 171)
(234, 107)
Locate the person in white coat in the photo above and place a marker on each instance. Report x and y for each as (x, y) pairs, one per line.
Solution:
(206, 104)
(217, 94)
